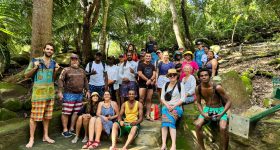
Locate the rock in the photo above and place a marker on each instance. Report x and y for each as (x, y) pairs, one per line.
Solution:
(63, 59)
(22, 59)
(234, 86)
(12, 104)
(11, 90)
(248, 84)
(6, 114)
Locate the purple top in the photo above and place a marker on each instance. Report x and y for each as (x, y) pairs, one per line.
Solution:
(164, 67)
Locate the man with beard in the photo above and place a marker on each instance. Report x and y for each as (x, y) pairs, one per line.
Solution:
(127, 73)
(133, 111)
(42, 70)
(73, 82)
(147, 76)
(217, 105)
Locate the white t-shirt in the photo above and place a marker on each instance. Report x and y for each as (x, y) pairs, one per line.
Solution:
(113, 74)
(176, 95)
(125, 70)
(98, 78)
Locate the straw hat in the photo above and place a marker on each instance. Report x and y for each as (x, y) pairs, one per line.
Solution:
(95, 93)
(171, 71)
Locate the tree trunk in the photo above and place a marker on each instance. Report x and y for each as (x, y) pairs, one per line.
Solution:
(104, 26)
(175, 24)
(188, 39)
(77, 39)
(88, 24)
(41, 26)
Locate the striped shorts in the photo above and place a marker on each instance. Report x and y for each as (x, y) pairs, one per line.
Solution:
(42, 110)
(72, 103)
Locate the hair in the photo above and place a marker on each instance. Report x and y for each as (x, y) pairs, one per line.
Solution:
(147, 53)
(104, 93)
(204, 69)
(90, 107)
(212, 52)
(165, 52)
(50, 44)
(188, 66)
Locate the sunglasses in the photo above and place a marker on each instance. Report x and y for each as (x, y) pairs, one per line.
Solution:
(172, 75)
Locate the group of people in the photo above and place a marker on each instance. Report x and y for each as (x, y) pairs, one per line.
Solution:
(119, 95)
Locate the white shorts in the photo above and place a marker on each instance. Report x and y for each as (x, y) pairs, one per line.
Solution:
(162, 79)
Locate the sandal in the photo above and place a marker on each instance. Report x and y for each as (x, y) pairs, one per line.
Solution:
(87, 145)
(94, 145)
(148, 118)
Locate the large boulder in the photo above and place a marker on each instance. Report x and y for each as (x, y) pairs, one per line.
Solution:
(6, 114)
(63, 59)
(12, 104)
(11, 90)
(22, 59)
(234, 86)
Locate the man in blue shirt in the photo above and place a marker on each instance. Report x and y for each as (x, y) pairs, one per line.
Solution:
(198, 54)
(150, 45)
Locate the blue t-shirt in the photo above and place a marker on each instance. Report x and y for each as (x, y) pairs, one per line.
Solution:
(197, 57)
(163, 68)
(154, 57)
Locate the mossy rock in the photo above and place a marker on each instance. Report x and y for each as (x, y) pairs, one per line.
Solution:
(63, 59)
(26, 104)
(11, 90)
(234, 86)
(12, 104)
(274, 61)
(6, 114)
(248, 84)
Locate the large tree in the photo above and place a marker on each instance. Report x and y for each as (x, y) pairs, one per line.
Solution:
(176, 24)
(41, 25)
(104, 26)
(188, 39)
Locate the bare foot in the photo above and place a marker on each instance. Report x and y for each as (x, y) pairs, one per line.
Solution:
(30, 143)
(48, 140)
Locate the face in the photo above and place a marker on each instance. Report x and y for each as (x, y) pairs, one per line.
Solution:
(131, 95)
(98, 57)
(159, 54)
(206, 50)
(94, 98)
(165, 56)
(74, 62)
(172, 77)
(187, 70)
(155, 47)
(130, 48)
(200, 46)
(148, 57)
(210, 55)
(48, 51)
(204, 77)
(188, 57)
(129, 56)
(107, 95)
(121, 59)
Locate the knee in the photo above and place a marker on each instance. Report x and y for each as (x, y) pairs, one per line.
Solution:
(98, 120)
(133, 130)
(115, 126)
(198, 126)
(223, 128)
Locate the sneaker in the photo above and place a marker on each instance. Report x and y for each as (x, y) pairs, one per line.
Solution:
(72, 132)
(66, 134)
(85, 139)
(75, 140)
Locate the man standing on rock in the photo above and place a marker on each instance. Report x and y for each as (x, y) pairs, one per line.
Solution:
(133, 111)
(74, 82)
(42, 70)
(217, 104)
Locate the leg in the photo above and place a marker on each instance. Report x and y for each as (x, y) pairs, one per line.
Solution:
(115, 131)
(173, 138)
(149, 101)
(142, 93)
(130, 136)
(198, 129)
(224, 135)
(32, 125)
(164, 131)
(85, 124)
(46, 131)
(73, 121)
(91, 128)
(64, 119)
(98, 129)
(79, 125)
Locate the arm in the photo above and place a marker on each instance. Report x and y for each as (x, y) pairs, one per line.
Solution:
(140, 114)
(61, 82)
(31, 69)
(193, 85)
(225, 98)
(214, 67)
(98, 112)
(182, 96)
(106, 80)
(162, 100)
(121, 112)
(198, 103)
(86, 85)
(142, 76)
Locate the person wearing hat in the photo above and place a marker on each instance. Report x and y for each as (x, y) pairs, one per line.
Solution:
(188, 60)
(98, 77)
(204, 58)
(72, 81)
(85, 115)
(172, 97)
(198, 54)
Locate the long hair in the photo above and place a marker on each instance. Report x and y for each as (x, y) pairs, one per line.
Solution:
(90, 107)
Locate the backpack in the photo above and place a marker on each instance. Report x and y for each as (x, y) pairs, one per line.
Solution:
(90, 66)
(178, 85)
(214, 88)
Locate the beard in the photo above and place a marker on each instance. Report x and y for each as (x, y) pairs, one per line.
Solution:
(75, 65)
(47, 54)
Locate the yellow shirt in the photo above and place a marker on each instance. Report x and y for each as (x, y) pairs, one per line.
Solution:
(131, 115)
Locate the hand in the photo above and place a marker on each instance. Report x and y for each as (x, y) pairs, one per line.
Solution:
(60, 95)
(56, 67)
(122, 123)
(148, 82)
(88, 94)
(218, 116)
(93, 72)
(187, 94)
(206, 116)
(106, 118)
(153, 82)
(131, 70)
(36, 64)
(171, 108)
(133, 123)
(125, 80)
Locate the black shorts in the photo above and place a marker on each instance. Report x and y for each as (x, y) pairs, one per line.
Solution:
(143, 85)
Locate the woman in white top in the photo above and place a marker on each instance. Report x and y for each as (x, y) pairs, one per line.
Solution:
(172, 96)
(189, 83)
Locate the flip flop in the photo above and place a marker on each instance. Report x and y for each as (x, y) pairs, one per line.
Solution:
(88, 144)
(94, 145)
(148, 118)
(49, 141)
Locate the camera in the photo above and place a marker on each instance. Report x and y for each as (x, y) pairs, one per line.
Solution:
(212, 115)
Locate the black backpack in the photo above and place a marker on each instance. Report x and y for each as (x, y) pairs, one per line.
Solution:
(90, 65)
(178, 85)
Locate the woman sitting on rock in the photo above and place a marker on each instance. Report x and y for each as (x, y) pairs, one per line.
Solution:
(189, 83)
(85, 115)
(107, 112)
(212, 64)
(172, 96)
